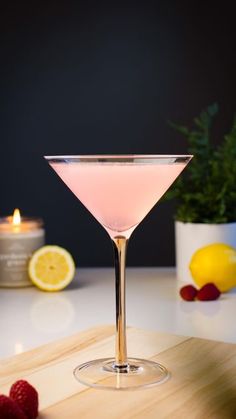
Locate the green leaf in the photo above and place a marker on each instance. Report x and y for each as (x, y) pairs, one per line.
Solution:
(206, 191)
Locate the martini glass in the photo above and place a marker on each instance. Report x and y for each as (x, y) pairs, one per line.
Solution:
(119, 191)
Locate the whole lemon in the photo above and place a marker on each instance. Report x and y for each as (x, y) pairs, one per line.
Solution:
(214, 263)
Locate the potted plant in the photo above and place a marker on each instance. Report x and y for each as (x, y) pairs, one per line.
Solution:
(205, 193)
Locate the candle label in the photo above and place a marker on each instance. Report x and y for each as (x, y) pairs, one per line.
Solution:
(15, 252)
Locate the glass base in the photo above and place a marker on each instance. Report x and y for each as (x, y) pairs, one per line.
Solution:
(104, 374)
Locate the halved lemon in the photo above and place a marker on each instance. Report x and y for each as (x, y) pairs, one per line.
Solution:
(51, 268)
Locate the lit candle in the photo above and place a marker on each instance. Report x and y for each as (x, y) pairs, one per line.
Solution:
(19, 238)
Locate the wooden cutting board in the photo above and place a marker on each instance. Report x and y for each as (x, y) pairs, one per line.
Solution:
(202, 386)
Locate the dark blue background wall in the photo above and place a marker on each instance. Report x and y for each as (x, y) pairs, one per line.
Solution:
(102, 77)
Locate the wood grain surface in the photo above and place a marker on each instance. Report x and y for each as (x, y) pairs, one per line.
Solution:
(202, 384)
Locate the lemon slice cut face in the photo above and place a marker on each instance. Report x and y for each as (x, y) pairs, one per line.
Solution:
(51, 268)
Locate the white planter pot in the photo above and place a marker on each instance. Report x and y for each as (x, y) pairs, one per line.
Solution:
(191, 236)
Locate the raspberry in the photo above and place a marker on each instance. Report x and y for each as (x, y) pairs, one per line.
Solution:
(9, 409)
(208, 292)
(188, 292)
(26, 397)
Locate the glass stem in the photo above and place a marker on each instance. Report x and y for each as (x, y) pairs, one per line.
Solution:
(120, 247)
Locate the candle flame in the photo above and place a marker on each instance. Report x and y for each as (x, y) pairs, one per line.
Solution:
(16, 219)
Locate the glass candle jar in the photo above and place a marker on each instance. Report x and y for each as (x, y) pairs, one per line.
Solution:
(19, 238)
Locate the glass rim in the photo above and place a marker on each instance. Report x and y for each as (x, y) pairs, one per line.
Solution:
(103, 158)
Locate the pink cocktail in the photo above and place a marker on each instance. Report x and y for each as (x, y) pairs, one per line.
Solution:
(119, 191)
